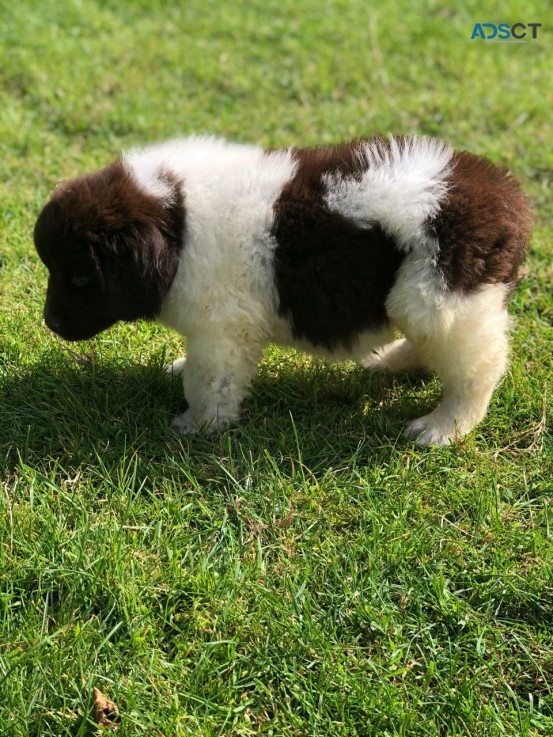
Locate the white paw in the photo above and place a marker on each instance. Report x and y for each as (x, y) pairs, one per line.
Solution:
(374, 361)
(430, 430)
(185, 424)
(396, 357)
(176, 368)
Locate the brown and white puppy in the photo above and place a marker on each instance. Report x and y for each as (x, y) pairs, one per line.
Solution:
(333, 250)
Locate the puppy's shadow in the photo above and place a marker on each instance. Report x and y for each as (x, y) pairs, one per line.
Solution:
(337, 401)
(74, 413)
(73, 409)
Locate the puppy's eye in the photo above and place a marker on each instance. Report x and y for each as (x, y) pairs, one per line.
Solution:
(80, 281)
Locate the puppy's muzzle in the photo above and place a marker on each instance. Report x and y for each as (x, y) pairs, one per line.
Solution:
(52, 320)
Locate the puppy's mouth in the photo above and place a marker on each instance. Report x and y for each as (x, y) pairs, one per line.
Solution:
(73, 335)
(74, 332)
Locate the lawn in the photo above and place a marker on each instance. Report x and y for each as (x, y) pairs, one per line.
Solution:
(308, 572)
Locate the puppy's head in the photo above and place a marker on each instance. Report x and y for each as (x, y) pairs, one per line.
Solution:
(111, 250)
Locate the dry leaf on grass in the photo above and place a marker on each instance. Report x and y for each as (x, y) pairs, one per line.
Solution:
(106, 712)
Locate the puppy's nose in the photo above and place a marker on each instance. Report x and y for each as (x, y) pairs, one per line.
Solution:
(52, 320)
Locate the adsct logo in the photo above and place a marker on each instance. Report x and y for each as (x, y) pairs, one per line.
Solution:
(517, 32)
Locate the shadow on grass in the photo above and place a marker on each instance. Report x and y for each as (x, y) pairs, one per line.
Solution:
(74, 413)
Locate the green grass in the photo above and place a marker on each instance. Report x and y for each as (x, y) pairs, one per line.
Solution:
(308, 572)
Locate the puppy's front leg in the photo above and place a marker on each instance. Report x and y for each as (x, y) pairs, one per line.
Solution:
(218, 370)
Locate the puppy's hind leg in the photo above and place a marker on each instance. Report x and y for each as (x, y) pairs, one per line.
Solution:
(176, 368)
(465, 342)
(401, 355)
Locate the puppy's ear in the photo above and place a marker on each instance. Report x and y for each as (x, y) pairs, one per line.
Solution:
(109, 267)
(104, 262)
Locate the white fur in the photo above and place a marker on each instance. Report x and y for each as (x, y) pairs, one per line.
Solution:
(462, 338)
(398, 356)
(224, 297)
(401, 188)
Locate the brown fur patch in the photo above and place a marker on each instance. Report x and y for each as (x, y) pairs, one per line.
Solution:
(111, 249)
(483, 225)
(332, 276)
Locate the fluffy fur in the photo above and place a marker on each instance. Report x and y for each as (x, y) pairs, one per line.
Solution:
(333, 250)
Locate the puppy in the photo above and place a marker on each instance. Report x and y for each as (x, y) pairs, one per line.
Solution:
(332, 250)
